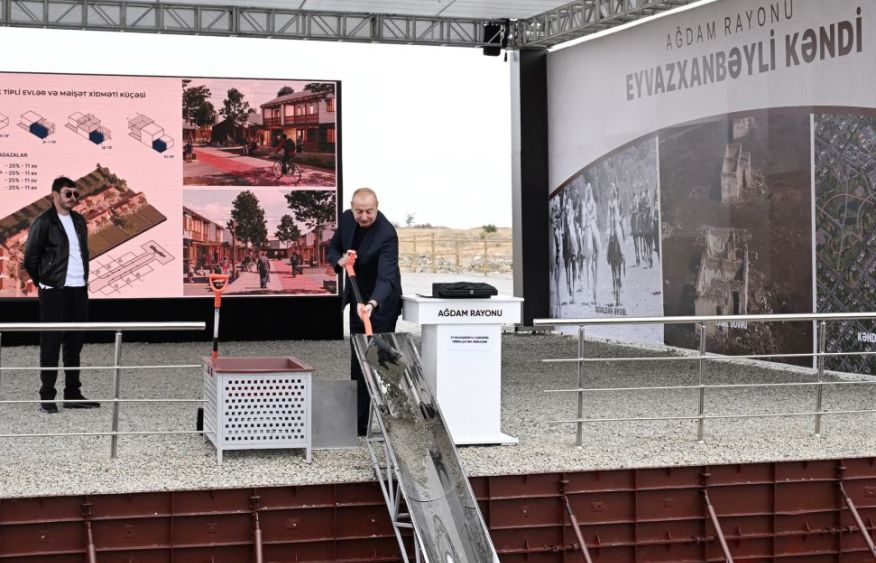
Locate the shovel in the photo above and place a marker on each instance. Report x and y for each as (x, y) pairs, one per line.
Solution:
(386, 355)
(218, 283)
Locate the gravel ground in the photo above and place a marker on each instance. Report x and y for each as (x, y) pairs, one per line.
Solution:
(82, 464)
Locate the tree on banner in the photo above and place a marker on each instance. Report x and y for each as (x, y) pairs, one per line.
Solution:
(316, 209)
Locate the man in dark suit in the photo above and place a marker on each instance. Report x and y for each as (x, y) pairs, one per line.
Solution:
(366, 231)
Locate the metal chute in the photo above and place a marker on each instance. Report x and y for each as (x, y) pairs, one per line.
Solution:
(415, 458)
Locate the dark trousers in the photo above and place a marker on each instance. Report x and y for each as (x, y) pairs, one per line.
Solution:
(363, 400)
(65, 305)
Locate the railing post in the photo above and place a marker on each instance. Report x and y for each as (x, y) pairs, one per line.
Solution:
(117, 360)
(701, 421)
(579, 441)
(456, 246)
(819, 390)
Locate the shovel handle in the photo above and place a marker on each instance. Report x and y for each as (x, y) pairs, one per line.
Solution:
(350, 267)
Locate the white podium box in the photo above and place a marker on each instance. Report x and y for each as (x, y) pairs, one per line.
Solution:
(462, 360)
(254, 403)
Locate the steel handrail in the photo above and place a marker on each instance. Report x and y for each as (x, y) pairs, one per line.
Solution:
(712, 356)
(118, 329)
(710, 416)
(712, 386)
(692, 319)
(100, 400)
(101, 327)
(104, 368)
(820, 327)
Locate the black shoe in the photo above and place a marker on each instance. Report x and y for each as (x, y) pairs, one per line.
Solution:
(49, 408)
(82, 404)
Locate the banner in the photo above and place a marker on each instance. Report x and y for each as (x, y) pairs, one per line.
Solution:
(759, 196)
(179, 178)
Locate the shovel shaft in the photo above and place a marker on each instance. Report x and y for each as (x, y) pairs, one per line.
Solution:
(215, 353)
(357, 295)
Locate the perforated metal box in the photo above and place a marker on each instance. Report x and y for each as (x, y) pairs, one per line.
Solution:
(257, 403)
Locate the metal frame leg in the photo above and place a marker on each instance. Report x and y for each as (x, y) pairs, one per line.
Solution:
(387, 477)
(725, 549)
(858, 520)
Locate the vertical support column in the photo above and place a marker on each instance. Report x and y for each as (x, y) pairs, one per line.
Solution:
(117, 360)
(819, 389)
(91, 550)
(701, 421)
(159, 16)
(579, 441)
(529, 181)
(257, 529)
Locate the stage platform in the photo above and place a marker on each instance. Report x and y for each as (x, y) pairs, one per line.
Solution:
(49, 466)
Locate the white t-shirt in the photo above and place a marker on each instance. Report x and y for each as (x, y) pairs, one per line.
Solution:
(75, 267)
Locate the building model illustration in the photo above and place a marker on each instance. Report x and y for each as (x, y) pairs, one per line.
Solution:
(115, 214)
(4, 121)
(111, 274)
(34, 123)
(146, 131)
(88, 126)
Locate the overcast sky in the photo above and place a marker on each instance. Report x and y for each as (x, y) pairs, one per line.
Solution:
(427, 127)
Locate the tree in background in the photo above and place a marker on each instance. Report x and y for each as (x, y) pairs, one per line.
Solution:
(285, 91)
(235, 109)
(288, 231)
(409, 218)
(327, 87)
(248, 215)
(196, 105)
(316, 209)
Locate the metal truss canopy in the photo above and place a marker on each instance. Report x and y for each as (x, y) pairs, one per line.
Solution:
(583, 17)
(196, 19)
(572, 20)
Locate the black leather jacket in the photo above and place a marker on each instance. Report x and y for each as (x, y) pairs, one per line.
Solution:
(47, 250)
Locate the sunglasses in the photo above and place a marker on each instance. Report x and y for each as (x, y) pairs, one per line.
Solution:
(70, 194)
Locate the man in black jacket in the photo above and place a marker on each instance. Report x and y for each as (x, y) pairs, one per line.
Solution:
(56, 257)
(366, 230)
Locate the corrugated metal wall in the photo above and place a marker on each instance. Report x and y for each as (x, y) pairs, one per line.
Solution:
(787, 511)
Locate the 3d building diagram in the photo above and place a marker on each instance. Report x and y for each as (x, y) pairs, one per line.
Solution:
(116, 273)
(145, 130)
(4, 121)
(116, 213)
(88, 126)
(34, 123)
